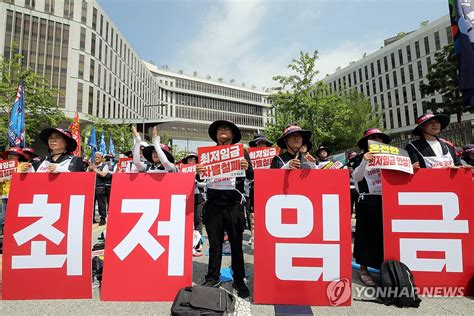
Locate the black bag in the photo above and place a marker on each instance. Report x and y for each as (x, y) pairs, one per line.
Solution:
(202, 300)
(397, 285)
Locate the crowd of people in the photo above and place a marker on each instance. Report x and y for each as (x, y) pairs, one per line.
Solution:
(226, 207)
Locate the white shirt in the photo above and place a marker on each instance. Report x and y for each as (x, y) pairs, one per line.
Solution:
(436, 146)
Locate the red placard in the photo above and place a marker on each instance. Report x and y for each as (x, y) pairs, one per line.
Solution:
(261, 157)
(149, 237)
(122, 164)
(7, 168)
(302, 237)
(185, 168)
(47, 242)
(221, 161)
(429, 226)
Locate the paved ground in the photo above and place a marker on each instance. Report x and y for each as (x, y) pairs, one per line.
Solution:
(429, 306)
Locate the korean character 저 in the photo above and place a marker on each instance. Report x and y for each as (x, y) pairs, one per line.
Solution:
(214, 156)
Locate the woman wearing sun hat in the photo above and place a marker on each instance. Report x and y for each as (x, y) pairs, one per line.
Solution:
(158, 156)
(429, 151)
(292, 140)
(368, 243)
(60, 146)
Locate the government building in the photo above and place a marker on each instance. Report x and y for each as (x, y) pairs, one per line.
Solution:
(391, 76)
(77, 47)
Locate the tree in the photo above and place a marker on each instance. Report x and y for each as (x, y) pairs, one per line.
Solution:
(443, 78)
(41, 108)
(336, 120)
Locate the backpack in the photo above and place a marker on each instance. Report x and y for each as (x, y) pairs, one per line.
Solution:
(97, 264)
(397, 285)
(202, 300)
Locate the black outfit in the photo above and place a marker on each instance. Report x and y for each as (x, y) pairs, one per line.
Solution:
(468, 161)
(368, 237)
(198, 206)
(108, 182)
(425, 149)
(280, 160)
(101, 194)
(224, 210)
(75, 164)
(351, 166)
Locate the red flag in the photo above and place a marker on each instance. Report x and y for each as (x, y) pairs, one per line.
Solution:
(75, 129)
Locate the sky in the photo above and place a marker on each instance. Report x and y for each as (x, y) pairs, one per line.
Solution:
(252, 41)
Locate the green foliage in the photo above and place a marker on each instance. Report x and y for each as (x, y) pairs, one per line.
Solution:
(41, 108)
(336, 120)
(443, 78)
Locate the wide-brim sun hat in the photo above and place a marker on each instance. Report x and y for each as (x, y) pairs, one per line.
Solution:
(147, 153)
(362, 143)
(260, 138)
(442, 118)
(189, 156)
(71, 143)
(14, 150)
(212, 131)
(320, 148)
(30, 151)
(291, 129)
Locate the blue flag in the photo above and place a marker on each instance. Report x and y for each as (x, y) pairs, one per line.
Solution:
(16, 127)
(462, 27)
(92, 142)
(102, 148)
(111, 146)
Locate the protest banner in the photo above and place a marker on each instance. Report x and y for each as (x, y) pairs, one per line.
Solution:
(7, 168)
(47, 241)
(122, 164)
(429, 225)
(149, 237)
(185, 168)
(221, 161)
(302, 237)
(261, 157)
(389, 158)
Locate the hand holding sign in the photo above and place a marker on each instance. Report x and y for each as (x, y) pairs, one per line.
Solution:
(244, 164)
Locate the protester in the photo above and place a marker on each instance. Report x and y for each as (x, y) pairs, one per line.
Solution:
(322, 153)
(15, 154)
(101, 170)
(112, 166)
(60, 146)
(259, 141)
(224, 210)
(158, 156)
(192, 159)
(292, 140)
(368, 243)
(430, 151)
(353, 159)
(29, 154)
(468, 154)
(136, 152)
